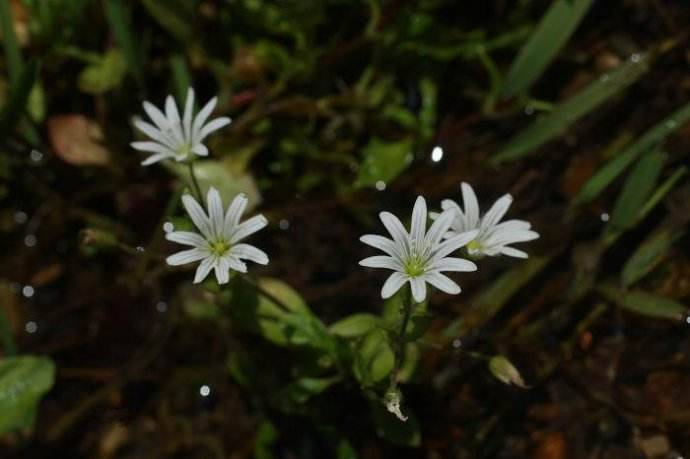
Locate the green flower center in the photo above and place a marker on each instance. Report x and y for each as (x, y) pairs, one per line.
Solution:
(414, 266)
(474, 245)
(183, 151)
(220, 248)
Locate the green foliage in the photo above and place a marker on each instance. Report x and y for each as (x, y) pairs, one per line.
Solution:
(649, 254)
(24, 381)
(105, 74)
(616, 166)
(645, 303)
(553, 31)
(383, 161)
(562, 116)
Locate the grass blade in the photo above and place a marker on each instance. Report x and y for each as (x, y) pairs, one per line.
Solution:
(119, 18)
(9, 40)
(566, 113)
(638, 188)
(553, 31)
(18, 99)
(607, 174)
(644, 303)
(649, 254)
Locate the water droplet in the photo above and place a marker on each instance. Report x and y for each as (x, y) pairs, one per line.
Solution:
(30, 240)
(141, 248)
(635, 58)
(529, 110)
(605, 78)
(28, 291)
(36, 156)
(437, 154)
(168, 227)
(204, 391)
(457, 343)
(605, 217)
(284, 224)
(671, 124)
(31, 327)
(161, 306)
(20, 217)
(380, 185)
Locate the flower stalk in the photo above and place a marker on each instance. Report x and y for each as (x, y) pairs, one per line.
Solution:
(195, 183)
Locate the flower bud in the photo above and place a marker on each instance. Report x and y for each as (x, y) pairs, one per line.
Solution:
(505, 371)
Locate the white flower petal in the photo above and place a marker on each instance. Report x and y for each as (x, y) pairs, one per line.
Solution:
(187, 117)
(418, 224)
(235, 211)
(471, 205)
(249, 252)
(497, 211)
(213, 126)
(393, 284)
(155, 134)
(451, 245)
(511, 252)
(152, 147)
(381, 243)
(418, 289)
(204, 268)
(454, 264)
(442, 282)
(156, 116)
(187, 238)
(215, 212)
(156, 158)
(397, 231)
(222, 268)
(236, 264)
(197, 215)
(200, 149)
(381, 261)
(439, 228)
(201, 118)
(247, 228)
(186, 256)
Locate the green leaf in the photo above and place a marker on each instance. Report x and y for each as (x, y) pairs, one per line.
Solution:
(355, 325)
(644, 303)
(23, 383)
(102, 76)
(637, 189)
(649, 254)
(220, 175)
(556, 122)
(304, 388)
(615, 167)
(420, 322)
(427, 114)
(383, 161)
(552, 33)
(13, 56)
(266, 436)
(174, 16)
(18, 99)
(374, 358)
(119, 17)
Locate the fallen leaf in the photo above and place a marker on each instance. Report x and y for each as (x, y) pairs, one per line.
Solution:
(76, 140)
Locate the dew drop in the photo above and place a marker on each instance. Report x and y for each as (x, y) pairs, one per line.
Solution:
(161, 306)
(605, 217)
(36, 156)
(380, 185)
(31, 327)
(168, 227)
(28, 291)
(205, 390)
(437, 154)
(20, 217)
(30, 240)
(529, 110)
(284, 224)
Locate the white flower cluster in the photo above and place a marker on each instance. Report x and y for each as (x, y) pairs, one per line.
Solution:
(421, 256)
(417, 257)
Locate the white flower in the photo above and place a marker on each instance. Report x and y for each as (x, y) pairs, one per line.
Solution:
(217, 246)
(419, 256)
(493, 237)
(175, 137)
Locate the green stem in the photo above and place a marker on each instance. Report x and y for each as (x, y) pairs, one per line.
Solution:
(195, 183)
(12, 54)
(400, 345)
(6, 334)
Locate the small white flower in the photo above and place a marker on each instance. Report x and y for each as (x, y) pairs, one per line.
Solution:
(419, 256)
(493, 237)
(175, 137)
(217, 246)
